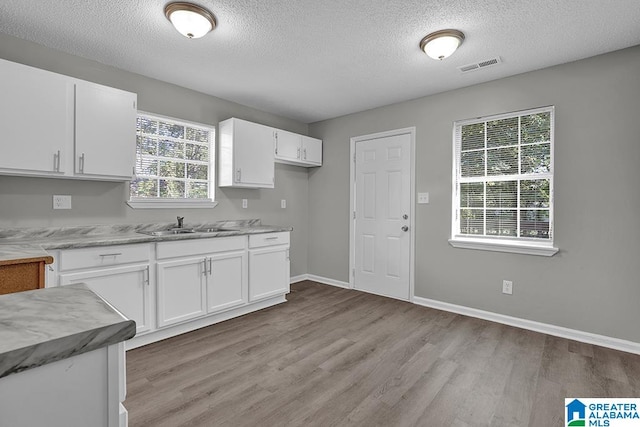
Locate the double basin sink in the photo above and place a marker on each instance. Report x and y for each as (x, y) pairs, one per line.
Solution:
(174, 231)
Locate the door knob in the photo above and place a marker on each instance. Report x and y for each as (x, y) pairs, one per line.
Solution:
(405, 228)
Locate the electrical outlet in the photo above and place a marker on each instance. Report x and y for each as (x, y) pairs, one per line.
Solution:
(283, 204)
(245, 203)
(423, 198)
(507, 287)
(61, 202)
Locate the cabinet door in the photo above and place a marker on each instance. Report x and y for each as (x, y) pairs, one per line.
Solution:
(105, 144)
(268, 272)
(36, 117)
(181, 290)
(287, 145)
(253, 155)
(227, 281)
(311, 150)
(125, 288)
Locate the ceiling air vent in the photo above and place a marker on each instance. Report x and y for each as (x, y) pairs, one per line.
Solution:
(478, 65)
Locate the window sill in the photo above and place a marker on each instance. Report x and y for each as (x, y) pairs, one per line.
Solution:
(170, 204)
(502, 246)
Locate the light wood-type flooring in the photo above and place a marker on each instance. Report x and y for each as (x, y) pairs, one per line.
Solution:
(337, 357)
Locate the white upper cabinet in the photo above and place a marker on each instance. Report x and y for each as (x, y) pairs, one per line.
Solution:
(36, 117)
(298, 150)
(246, 155)
(311, 151)
(288, 145)
(105, 131)
(55, 125)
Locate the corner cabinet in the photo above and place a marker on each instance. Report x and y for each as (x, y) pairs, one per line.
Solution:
(245, 157)
(58, 126)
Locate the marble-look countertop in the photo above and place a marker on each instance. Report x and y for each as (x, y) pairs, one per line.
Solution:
(20, 254)
(46, 325)
(31, 242)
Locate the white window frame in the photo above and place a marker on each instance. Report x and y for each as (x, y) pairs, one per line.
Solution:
(166, 203)
(518, 244)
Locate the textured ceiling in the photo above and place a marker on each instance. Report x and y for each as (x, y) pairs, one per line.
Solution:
(311, 60)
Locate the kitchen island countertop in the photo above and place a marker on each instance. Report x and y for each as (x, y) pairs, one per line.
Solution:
(47, 325)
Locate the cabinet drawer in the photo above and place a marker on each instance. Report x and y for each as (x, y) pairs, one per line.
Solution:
(182, 248)
(72, 259)
(268, 239)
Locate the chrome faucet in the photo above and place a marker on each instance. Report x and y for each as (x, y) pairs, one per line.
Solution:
(180, 221)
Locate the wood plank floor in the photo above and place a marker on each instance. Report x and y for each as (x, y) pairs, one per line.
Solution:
(337, 357)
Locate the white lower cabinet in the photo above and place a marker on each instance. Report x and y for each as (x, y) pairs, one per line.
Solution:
(181, 290)
(211, 279)
(126, 288)
(182, 285)
(268, 265)
(227, 281)
(119, 274)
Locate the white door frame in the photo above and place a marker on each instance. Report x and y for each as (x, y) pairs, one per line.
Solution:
(411, 131)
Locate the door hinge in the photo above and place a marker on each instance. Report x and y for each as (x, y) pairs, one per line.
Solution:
(354, 214)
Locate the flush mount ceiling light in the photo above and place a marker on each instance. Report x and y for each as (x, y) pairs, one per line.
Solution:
(441, 44)
(189, 19)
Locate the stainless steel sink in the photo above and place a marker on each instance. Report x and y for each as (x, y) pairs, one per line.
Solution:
(212, 230)
(170, 232)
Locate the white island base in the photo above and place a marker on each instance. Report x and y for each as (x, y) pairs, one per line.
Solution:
(84, 390)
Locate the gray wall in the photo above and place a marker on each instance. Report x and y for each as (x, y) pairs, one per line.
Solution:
(593, 283)
(26, 202)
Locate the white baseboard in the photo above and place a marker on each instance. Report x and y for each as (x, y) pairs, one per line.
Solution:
(545, 328)
(320, 279)
(300, 278)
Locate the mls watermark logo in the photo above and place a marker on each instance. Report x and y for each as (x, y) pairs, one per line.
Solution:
(611, 412)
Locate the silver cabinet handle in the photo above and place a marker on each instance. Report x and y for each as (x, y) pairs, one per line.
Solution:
(238, 175)
(271, 238)
(113, 254)
(81, 164)
(298, 153)
(305, 153)
(56, 161)
(275, 136)
(204, 267)
(145, 275)
(210, 266)
(405, 228)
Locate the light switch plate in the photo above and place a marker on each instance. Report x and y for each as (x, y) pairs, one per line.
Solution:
(283, 204)
(61, 202)
(423, 198)
(245, 203)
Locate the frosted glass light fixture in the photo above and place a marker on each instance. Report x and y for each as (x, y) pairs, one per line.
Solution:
(190, 20)
(441, 44)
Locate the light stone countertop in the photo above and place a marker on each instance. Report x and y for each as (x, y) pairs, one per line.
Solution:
(51, 324)
(35, 242)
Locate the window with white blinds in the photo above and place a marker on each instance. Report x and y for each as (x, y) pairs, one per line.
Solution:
(174, 161)
(503, 179)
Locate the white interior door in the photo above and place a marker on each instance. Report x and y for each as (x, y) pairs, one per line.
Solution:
(382, 241)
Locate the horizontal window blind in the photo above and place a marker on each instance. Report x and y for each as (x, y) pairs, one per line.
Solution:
(503, 171)
(173, 160)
